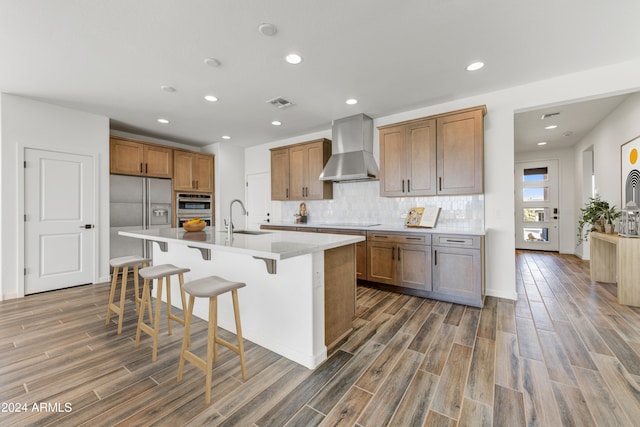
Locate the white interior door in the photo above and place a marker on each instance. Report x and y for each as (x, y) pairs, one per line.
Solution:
(258, 200)
(537, 205)
(59, 218)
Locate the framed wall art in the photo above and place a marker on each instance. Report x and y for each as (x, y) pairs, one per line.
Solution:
(630, 172)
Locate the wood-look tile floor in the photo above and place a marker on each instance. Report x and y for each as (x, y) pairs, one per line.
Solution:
(565, 354)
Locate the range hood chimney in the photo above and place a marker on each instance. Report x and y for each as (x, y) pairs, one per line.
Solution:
(351, 150)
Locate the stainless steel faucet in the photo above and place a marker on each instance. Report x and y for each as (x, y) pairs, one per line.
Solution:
(230, 226)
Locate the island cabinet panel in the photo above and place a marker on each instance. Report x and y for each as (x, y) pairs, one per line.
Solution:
(436, 155)
(401, 260)
(193, 172)
(280, 174)
(339, 293)
(458, 269)
(295, 171)
(129, 157)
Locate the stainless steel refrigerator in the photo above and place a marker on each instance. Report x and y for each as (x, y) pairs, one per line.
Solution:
(137, 203)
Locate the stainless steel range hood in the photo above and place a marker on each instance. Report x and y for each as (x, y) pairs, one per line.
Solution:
(351, 150)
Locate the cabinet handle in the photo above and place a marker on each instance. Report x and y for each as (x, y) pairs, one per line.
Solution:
(454, 241)
(140, 170)
(287, 191)
(197, 184)
(413, 238)
(381, 237)
(408, 186)
(398, 254)
(393, 253)
(146, 168)
(435, 257)
(440, 183)
(403, 185)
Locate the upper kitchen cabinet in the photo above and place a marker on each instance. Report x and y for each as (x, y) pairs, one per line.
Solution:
(280, 174)
(408, 159)
(298, 179)
(129, 157)
(438, 155)
(192, 172)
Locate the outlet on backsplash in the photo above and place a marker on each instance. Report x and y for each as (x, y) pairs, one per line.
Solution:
(361, 202)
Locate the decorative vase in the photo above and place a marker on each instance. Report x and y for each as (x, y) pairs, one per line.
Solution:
(599, 225)
(609, 228)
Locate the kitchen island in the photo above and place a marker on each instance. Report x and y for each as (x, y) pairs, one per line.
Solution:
(300, 293)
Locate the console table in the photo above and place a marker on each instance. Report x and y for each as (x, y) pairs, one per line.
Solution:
(616, 259)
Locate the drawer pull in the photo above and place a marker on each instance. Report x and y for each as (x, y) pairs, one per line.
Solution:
(413, 238)
(381, 237)
(455, 241)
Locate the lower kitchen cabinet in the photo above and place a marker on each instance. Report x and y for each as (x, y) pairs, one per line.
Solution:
(361, 249)
(458, 269)
(402, 260)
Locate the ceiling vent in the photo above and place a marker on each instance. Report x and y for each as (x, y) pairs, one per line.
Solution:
(280, 103)
(549, 115)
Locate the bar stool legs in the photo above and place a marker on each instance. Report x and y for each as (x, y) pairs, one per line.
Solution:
(124, 263)
(211, 287)
(159, 272)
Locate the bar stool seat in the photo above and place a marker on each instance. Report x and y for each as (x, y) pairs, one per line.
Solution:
(210, 287)
(159, 272)
(124, 262)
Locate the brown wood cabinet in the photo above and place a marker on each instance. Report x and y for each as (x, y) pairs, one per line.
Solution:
(193, 172)
(408, 159)
(298, 180)
(399, 259)
(361, 248)
(130, 157)
(437, 155)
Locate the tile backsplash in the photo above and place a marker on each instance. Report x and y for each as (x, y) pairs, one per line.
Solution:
(361, 202)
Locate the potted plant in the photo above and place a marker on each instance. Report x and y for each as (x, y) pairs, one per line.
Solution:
(591, 214)
(610, 215)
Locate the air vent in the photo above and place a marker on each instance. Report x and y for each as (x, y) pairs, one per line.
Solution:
(549, 115)
(280, 103)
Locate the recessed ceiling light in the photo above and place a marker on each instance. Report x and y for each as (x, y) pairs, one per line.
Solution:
(475, 66)
(212, 62)
(210, 98)
(551, 127)
(267, 29)
(163, 121)
(276, 123)
(293, 58)
(167, 88)
(542, 143)
(226, 137)
(351, 101)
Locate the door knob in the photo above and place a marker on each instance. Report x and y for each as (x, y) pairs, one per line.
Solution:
(87, 226)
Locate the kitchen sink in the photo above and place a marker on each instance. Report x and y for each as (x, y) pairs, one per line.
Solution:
(252, 232)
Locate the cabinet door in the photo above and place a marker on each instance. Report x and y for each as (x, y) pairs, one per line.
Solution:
(421, 159)
(457, 272)
(280, 174)
(392, 161)
(460, 153)
(381, 262)
(183, 168)
(126, 157)
(414, 266)
(316, 189)
(203, 172)
(298, 161)
(158, 161)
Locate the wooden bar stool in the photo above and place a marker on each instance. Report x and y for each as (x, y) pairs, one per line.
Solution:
(159, 272)
(124, 263)
(210, 287)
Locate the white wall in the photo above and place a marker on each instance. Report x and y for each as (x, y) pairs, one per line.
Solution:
(499, 152)
(619, 127)
(229, 182)
(566, 183)
(28, 123)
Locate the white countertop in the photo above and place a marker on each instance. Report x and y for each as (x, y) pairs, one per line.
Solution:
(276, 245)
(443, 229)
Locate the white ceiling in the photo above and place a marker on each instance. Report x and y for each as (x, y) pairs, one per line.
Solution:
(111, 57)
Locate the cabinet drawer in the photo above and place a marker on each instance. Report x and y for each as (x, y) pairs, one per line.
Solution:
(456, 241)
(415, 239)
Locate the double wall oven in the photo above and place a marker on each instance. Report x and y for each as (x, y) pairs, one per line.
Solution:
(189, 206)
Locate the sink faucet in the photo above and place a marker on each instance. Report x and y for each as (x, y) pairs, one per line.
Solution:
(230, 226)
